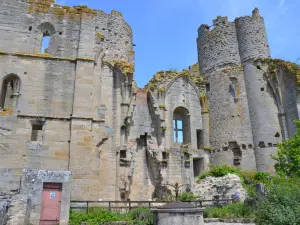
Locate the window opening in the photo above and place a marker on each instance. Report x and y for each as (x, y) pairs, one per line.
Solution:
(45, 42)
(10, 91)
(207, 87)
(197, 166)
(36, 132)
(199, 139)
(123, 154)
(164, 155)
(178, 131)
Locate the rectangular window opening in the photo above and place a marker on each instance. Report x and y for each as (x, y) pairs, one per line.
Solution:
(178, 131)
(164, 155)
(207, 87)
(36, 130)
(200, 144)
(123, 154)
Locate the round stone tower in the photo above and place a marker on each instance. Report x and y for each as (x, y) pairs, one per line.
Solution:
(252, 37)
(230, 127)
(263, 110)
(218, 47)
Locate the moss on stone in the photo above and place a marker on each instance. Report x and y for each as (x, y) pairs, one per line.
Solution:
(41, 55)
(274, 65)
(85, 59)
(162, 106)
(3, 53)
(131, 52)
(125, 67)
(49, 6)
(165, 76)
(100, 36)
(207, 148)
(7, 112)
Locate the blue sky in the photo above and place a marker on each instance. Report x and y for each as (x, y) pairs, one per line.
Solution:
(165, 31)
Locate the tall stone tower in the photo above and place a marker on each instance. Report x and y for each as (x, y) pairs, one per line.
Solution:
(243, 117)
(263, 110)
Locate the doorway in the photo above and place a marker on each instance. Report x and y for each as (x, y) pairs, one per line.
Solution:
(51, 200)
(197, 166)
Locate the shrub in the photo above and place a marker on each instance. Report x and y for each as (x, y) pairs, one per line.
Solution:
(141, 216)
(234, 210)
(288, 156)
(220, 171)
(261, 176)
(138, 216)
(187, 196)
(282, 205)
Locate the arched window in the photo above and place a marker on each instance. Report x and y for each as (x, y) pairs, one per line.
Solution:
(10, 91)
(45, 32)
(45, 43)
(181, 126)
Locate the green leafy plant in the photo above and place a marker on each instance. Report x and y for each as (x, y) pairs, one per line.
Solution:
(288, 156)
(234, 210)
(138, 216)
(141, 216)
(187, 196)
(261, 176)
(282, 205)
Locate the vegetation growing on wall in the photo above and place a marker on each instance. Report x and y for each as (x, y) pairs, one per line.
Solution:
(274, 65)
(125, 67)
(164, 77)
(6, 112)
(48, 6)
(100, 36)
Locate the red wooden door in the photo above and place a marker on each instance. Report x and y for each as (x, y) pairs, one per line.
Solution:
(51, 199)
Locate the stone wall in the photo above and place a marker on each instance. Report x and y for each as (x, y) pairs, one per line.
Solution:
(264, 117)
(217, 47)
(230, 126)
(252, 37)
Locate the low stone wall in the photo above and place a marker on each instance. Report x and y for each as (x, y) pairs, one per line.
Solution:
(217, 221)
(207, 221)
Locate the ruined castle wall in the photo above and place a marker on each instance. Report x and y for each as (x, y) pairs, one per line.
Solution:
(229, 117)
(46, 85)
(26, 22)
(182, 94)
(217, 47)
(252, 37)
(264, 117)
(289, 99)
(74, 31)
(45, 90)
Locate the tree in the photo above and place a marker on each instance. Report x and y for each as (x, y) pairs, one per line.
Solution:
(288, 155)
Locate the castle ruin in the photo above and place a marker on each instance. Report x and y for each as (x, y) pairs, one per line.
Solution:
(74, 116)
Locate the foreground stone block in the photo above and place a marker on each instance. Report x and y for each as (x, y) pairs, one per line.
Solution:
(178, 214)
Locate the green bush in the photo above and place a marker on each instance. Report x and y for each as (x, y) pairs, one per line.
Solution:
(187, 196)
(234, 210)
(220, 171)
(261, 176)
(139, 216)
(282, 205)
(288, 156)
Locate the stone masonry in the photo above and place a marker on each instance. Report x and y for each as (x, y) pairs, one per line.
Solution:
(75, 113)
